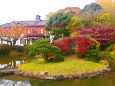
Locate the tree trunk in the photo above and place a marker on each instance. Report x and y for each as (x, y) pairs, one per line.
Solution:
(11, 43)
(14, 42)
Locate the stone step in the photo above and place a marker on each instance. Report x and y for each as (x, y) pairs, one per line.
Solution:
(11, 71)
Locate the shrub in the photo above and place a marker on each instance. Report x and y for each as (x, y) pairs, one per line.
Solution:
(107, 55)
(80, 44)
(84, 44)
(5, 49)
(109, 48)
(87, 48)
(79, 55)
(58, 58)
(27, 49)
(42, 46)
(18, 48)
(102, 34)
(16, 54)
(31, 53)
(65, 44)
(93, 56)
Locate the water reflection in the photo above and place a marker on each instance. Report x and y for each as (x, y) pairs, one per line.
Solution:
(11, 64)
(4, 82)
(3, 65)
(108, 79)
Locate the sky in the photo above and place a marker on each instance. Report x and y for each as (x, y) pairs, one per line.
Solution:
(22, 10)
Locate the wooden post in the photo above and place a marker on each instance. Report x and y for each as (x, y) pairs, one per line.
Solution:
(1, 40)
(27, 40)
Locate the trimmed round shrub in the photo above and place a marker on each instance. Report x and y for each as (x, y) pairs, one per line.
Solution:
(58, 58)
(42, 46)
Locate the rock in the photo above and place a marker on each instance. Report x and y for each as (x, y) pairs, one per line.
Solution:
(77, 76)
(20, 73)
(38, 77)
(65, 77)
(99, 73)
(24, 74)
(30, 74)
(7, 71)
(41, 77)
(50, 78)
(36, 59)
(71, 76)
(93, 74)
(60, 77)
(83, 75)
(109, 69)
(45, 73)
(104, 70)
(17, 71)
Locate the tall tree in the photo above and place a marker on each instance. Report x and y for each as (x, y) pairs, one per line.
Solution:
(72, 11)
(12, 34)
(75, 24)
(57, 24)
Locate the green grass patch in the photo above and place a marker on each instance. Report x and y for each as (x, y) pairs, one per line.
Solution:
(69, 66)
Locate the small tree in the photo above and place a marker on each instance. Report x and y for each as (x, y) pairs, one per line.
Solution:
(12, 34)
(42, 46)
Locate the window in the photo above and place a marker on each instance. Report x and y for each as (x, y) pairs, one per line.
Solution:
(41, 31)
(28, 31)
(34, 31)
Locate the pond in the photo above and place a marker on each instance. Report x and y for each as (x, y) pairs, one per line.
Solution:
(107, 79)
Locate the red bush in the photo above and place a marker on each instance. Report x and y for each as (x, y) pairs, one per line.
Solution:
(81, 44)
(102, 34)
(62, 43)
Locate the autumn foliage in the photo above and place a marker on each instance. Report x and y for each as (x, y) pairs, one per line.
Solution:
(11, 34)
(73, 11)
(81, 44)
(102, 34)
(63, 43)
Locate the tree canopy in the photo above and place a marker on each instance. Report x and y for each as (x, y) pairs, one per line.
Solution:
(11, 35)
(57, 24)
(42, 46)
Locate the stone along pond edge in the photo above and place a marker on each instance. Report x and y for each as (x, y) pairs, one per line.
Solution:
(47, 76)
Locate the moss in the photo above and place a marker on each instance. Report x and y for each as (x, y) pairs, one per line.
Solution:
(69, 66)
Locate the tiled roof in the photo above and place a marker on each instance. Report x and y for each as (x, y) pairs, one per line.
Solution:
(27, 23)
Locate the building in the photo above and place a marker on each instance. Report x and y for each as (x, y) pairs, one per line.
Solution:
(33, 30)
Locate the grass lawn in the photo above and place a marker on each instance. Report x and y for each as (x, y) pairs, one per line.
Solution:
(71, 65)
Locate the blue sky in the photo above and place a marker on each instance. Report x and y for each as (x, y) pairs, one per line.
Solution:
(27, 9)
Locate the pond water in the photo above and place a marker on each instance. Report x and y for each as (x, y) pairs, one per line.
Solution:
(107, 79)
